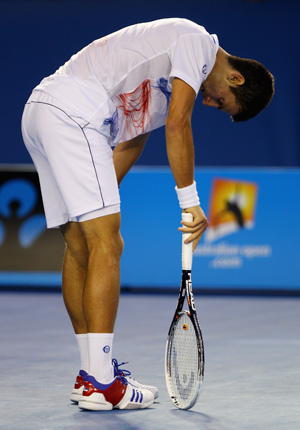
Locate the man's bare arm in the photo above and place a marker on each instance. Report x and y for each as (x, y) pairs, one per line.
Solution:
(180, 150)
(179, 136)
(127, 153)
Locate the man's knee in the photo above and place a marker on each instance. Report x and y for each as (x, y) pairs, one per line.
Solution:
(103, 235)
(109, 247)
(76, 245)
(119, 245)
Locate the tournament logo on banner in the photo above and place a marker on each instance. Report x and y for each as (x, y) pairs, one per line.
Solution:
(230, 238)
(232, 207)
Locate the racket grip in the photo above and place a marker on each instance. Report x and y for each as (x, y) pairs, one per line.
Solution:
(187, 248)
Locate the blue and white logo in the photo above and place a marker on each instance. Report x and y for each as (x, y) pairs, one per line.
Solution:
(18, 198)
(106, 349)
(204, 69)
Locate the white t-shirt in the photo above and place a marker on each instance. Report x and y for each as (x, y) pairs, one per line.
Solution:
(122, 83)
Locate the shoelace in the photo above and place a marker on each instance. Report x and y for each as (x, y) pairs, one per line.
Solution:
(122, 373)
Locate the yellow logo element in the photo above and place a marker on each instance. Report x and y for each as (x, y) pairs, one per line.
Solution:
(184, 326)
(232, 207)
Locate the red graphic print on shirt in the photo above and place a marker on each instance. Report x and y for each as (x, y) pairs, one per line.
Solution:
(136, 108)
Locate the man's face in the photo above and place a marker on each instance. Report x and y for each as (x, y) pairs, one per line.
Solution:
(216, 93)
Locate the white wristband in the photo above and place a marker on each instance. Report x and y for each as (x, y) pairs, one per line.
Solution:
(188, 196)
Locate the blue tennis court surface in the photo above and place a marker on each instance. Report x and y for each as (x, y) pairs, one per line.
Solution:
(252, 374)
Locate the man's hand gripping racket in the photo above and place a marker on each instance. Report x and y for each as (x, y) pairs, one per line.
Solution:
(184, 358)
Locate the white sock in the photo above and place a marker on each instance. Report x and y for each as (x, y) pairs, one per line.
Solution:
(82, 341)
(100, 352)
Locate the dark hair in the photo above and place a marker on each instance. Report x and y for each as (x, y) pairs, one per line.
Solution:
(256, 92)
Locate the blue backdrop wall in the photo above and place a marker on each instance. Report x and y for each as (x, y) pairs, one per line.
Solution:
(38, 36)
(252, 241)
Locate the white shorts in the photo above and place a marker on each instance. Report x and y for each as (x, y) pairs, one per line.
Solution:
(73, 160)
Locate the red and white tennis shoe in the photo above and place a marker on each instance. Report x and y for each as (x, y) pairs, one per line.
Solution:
(78, 387)
(81, 379)
(118, 394)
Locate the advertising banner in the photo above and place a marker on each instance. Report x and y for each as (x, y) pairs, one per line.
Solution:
(253, 238)
(252, 241)
(30, 255)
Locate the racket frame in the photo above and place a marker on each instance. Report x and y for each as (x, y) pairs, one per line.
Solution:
(186, 291)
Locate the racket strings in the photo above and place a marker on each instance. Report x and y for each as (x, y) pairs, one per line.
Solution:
(184, 362)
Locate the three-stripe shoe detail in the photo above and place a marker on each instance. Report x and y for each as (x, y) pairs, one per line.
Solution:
(137, 396)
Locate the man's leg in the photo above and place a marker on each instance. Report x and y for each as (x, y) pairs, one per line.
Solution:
(100, 304)
(74, 274)
(102, 283)
(91, 276)
(91, 273)
(73, 280)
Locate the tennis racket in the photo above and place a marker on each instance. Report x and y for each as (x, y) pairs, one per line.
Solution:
(184, 358)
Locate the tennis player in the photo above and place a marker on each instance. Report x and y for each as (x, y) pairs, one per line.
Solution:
(112, 94)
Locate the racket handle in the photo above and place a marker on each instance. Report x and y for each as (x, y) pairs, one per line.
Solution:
(187, 248)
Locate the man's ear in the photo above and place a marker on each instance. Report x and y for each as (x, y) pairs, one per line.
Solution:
(236, 78)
